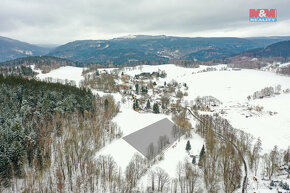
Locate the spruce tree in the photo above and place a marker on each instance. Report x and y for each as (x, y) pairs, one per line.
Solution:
(137, 88)
(148, 105)
(193, 160)
(155, 108)
(106, 104)
(188, 146)
(201, 154)
(136, 105)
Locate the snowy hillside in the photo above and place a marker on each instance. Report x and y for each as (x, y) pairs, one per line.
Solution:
(230, 87)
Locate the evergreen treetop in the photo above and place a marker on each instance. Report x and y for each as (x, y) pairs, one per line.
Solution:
(188, 146)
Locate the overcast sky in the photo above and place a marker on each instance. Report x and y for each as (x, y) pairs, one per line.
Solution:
(61, 21)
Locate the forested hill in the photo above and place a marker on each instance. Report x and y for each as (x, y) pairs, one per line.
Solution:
(280, 49)
(158, 49)
(30, 111)
(11, 49)
(257, 58)
(45, 63)
(139, 49)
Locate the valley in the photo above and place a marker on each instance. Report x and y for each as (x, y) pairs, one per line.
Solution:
(128, 96)
(230, 88)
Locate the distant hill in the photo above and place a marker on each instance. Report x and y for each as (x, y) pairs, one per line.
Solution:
(140, 49)
(280, 49)
(256, 58)
(157, 49)
(45, 63)
(11, 49)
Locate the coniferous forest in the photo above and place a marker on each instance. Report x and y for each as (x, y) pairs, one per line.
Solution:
(36, 117)
(16, 71)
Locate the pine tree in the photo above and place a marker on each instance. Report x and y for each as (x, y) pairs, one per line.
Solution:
(155, 108)
(136, 105)
(188, 146)
(193, 160)
(148, 105)
(137, 88)
(201, 154)
(106, 104)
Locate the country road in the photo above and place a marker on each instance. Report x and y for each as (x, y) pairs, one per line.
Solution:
(221, 137)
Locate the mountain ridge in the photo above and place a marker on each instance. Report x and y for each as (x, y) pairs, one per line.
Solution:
(260, 57)
(142, 49)
(11, 49)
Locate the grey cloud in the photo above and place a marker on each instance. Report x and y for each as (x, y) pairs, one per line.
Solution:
(59, 21)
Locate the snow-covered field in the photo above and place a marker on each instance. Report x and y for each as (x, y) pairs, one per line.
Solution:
(64, 73)
(230, 87)
(272, 129)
